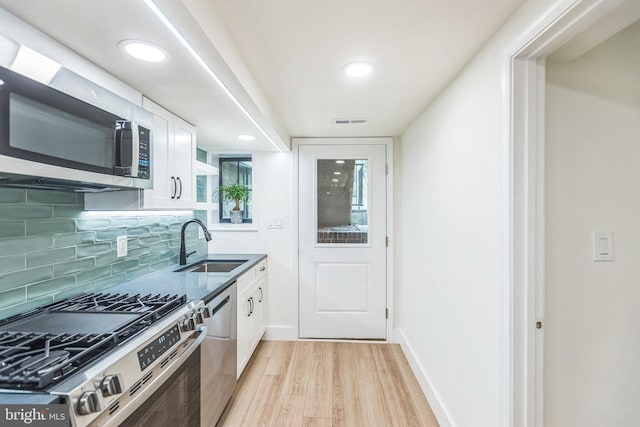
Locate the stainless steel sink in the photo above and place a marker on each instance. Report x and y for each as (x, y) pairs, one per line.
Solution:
(213, 266)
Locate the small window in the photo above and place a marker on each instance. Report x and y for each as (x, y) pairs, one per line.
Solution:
(235, 170)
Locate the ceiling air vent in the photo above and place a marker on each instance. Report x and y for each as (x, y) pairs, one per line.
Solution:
(350, 121)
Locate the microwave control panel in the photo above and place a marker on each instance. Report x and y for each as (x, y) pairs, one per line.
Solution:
(126, 150)
(144, 158)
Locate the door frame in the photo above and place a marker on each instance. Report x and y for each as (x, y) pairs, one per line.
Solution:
(389, 146)
(523, 109)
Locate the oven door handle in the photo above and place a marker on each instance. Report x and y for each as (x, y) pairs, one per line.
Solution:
(132, 405)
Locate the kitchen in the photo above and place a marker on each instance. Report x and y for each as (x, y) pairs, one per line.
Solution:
(53, 247)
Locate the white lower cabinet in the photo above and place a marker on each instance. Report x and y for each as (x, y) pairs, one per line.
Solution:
(252, 293)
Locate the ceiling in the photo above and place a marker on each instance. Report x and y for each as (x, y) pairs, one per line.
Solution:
(281, 58)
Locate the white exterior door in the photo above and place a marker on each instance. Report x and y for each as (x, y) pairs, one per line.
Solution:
(342, 241)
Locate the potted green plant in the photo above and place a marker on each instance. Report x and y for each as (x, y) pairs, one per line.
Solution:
(235, 192)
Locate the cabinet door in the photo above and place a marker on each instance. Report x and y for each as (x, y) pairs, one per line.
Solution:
(246, 328)
(259, 311)
(184, 155)
(161, 151)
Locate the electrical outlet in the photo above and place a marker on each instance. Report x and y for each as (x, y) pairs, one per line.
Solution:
(121, 246)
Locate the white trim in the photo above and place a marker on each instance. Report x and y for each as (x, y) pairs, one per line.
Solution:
(388, 142)
(281, 333)
(523, 202)
(295, 148)
(433, 397)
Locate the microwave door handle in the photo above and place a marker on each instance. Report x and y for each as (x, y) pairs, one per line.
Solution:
(135, 149)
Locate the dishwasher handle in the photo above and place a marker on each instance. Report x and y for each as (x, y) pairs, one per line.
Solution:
(218, 307)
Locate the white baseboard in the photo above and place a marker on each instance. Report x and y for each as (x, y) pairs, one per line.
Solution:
(437, 406)
(281, 333)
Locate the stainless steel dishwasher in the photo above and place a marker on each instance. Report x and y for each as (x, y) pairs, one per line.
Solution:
(218, 357)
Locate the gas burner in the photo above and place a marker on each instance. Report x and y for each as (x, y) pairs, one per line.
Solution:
(44, 362)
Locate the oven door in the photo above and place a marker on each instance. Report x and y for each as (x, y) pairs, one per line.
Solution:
(172, 399)
(176, 402)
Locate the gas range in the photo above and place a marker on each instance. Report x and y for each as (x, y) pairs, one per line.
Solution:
(102, 354)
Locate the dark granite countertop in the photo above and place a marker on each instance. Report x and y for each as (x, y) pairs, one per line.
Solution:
(204, 286)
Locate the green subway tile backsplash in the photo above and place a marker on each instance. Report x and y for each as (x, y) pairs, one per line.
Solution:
(93, 224)
(72, 239)
(12, 195)
(94, 249)
(14, 212)
(56, 226)
(24, 277)
(51, 256)
(12, 229)
(61, 211)
(48, 287)
(24, 244)
(51, 249)
(12, 263)
(47, 197)
(94, 274)
(13, 296)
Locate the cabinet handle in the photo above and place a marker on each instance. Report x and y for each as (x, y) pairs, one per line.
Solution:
(175, 187)
(250, 301)
(179, 182)
(263, 268)
(260, 294)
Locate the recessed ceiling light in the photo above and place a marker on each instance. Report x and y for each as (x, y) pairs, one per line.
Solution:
(246, 137)
(358, 69)
(337, 173)
(144, 51)
(339, 161)
(334, 180)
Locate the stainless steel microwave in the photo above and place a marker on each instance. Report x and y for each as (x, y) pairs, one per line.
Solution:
(51, 139)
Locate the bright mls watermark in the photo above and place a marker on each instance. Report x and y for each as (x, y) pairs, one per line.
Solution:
(34, 415)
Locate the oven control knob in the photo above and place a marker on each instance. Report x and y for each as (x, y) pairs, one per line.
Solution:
(188, 324)
(111, 385)
(199, 316)
(90, 401)
(206, 312)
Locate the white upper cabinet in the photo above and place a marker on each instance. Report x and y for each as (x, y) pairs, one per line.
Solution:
(173, 154)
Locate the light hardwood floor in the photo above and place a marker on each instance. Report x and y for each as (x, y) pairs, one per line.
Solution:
(303, 383)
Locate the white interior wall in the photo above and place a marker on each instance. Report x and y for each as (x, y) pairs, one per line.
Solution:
(592, 347)
(273, 188)
(450, 261)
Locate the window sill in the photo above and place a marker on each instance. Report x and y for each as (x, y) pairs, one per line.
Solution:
(233, 227)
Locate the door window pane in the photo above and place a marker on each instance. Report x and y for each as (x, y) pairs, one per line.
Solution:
(342, 200)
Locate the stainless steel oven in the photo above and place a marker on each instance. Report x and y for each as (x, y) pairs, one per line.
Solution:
(176, 402)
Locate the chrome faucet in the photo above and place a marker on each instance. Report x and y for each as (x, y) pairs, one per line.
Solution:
(183, 251)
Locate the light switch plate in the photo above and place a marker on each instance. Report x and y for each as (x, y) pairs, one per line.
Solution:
(121, 250)
(602, 245)
(275, 222)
